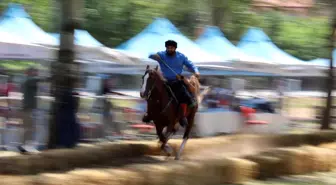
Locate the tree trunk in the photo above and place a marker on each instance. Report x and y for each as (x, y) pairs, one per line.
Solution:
(62, 70)
(330, 79)
(217, 12)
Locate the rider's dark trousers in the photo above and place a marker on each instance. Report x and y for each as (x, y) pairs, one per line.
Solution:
(181, 92)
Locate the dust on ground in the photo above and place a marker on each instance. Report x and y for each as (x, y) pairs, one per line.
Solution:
(320, 178)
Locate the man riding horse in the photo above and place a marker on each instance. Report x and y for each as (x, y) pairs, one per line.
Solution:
(171, 64)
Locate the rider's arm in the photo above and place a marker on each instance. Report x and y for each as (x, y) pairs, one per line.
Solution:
(155, 56)
(190, 65)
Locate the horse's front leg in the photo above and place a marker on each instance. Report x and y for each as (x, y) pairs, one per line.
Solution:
(165, 146)
(186, 134)
(163, 139)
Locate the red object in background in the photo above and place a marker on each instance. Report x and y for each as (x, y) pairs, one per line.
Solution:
(143, 127)
(223, 102)
(129, 110)
(10, 88)
(256, 122)
(247, 111)
(5, 89)
(2, 89)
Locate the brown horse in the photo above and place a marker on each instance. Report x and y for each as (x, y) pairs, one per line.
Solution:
(162, 107)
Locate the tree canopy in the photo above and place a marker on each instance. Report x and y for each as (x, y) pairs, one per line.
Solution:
(115, 21)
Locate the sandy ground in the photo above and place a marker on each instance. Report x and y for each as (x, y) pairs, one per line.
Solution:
(328, 178)
(300, 108)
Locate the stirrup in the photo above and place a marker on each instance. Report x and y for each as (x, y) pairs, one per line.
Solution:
(192, 105)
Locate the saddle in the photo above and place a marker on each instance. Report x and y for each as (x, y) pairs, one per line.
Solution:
(191, 84)
(171, 93)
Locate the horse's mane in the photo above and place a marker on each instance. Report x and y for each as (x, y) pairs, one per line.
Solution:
(159, 74)
(192, 81)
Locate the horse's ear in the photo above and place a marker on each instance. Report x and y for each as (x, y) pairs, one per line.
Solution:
(147, 67)
(156, 68)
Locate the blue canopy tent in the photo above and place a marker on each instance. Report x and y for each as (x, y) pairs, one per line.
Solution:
(214, 41)
(152, 39)
(255, 42)
(82, 38)
(16, 21)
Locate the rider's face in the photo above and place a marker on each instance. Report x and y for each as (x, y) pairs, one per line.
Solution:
(170, 50)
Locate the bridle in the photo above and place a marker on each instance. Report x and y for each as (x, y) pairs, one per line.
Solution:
(149, 94)
(150, 91)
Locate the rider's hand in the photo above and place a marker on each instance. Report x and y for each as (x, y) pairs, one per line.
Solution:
(197, 75)
(179, 77)
(157, 57)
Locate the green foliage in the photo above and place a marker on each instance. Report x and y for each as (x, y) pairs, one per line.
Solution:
(40, 10)
(115, 21)
(17, 65)
(304, 37)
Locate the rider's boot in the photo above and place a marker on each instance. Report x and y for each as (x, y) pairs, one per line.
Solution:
(183, 120)
(146, 118)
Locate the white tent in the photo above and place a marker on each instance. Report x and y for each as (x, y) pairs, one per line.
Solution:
(122, 57)
(12, 47)
(16, 21)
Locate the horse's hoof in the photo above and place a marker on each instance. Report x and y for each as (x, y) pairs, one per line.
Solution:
(164, 130)
(168, 150)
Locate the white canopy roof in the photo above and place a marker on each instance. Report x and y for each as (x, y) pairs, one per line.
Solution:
(12, 47)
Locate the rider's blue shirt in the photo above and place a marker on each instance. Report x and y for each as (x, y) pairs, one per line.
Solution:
(176, 63)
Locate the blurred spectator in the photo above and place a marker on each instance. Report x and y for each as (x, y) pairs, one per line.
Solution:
(218, 98)
(107, 88)
(9, 87)
(4, 97)
(30, 88)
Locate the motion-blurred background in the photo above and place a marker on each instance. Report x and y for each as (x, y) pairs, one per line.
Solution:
(270, 55)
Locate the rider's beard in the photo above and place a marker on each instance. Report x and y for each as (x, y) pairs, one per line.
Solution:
(170, 53)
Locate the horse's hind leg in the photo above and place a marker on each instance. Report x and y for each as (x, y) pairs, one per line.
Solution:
(186, 134)
(179, 152)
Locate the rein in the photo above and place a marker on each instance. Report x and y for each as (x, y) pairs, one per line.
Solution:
(169, 102)
(150, 91)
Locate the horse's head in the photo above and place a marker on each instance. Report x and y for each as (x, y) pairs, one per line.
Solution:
(149, 80)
